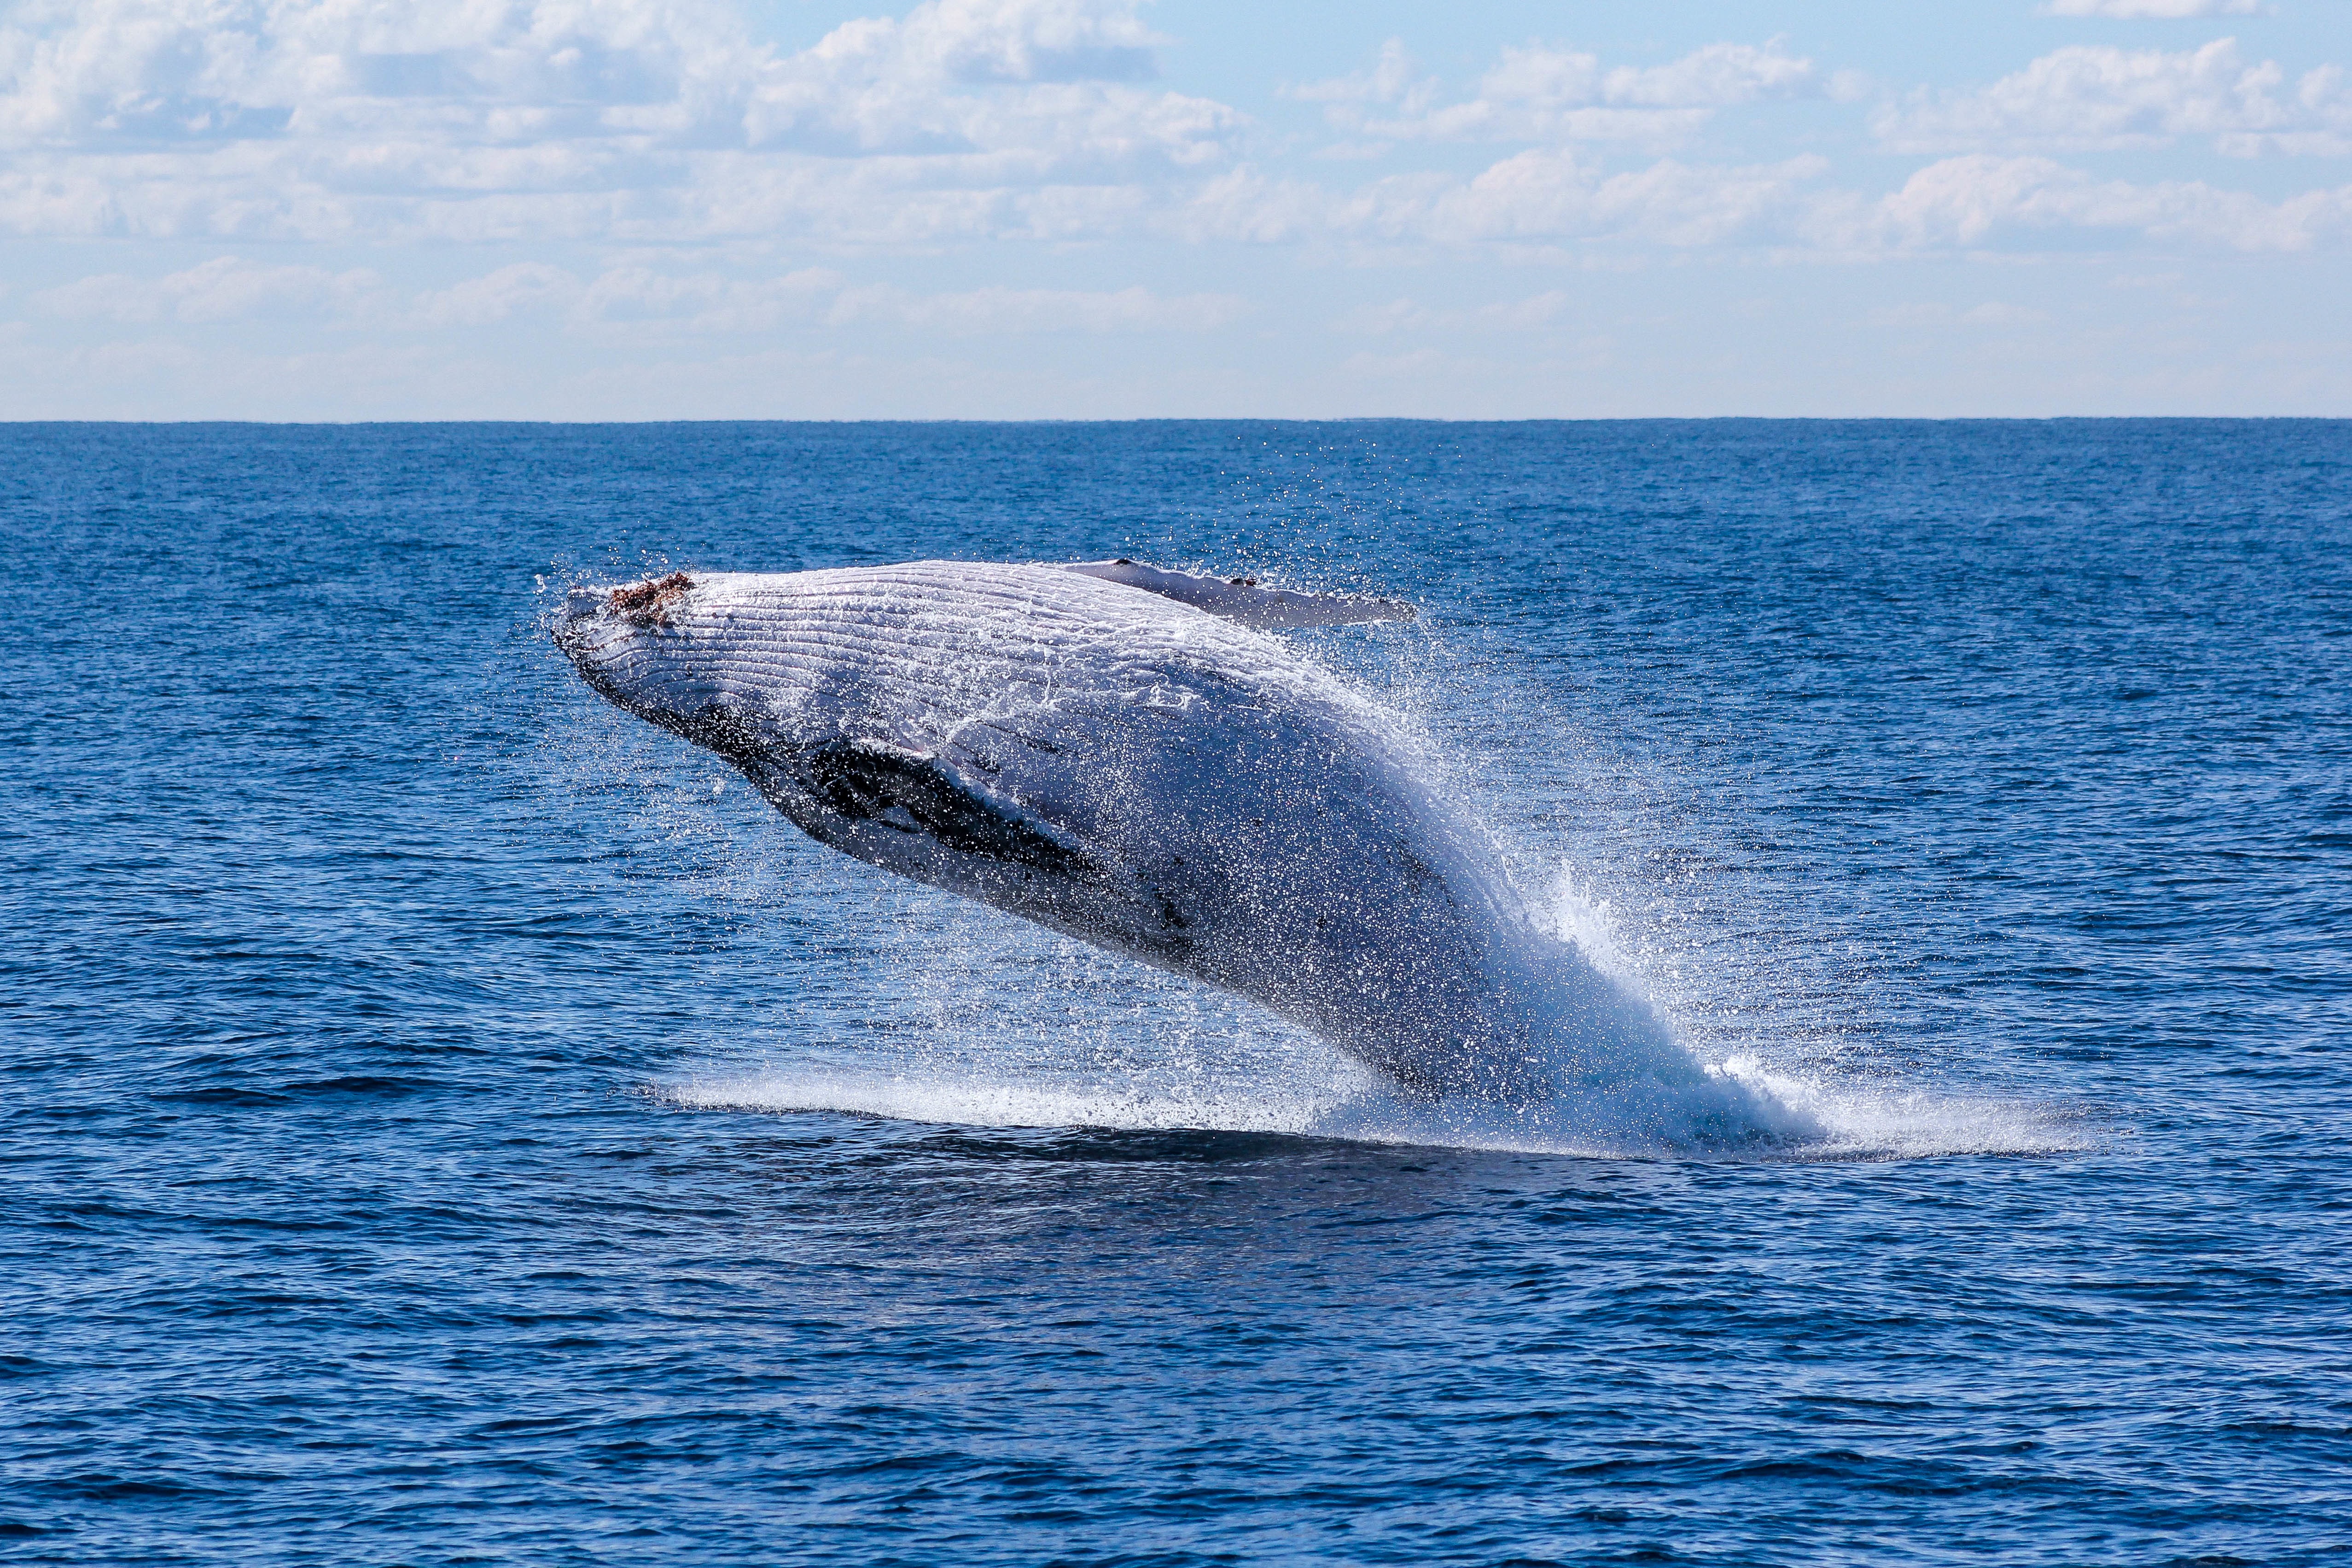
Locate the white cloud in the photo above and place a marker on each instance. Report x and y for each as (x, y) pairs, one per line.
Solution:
(318, 119)
(1407, 316)
(159, 74)
(1545, 201)
(1028, 311)
(808, 297)
(2128, 9)
(496, 297)
(655, 124)
(1029, 87)
(1538, 94)
(225, 288)
(624, 298)
(708, 302)
(2098, 98)
(1395, 80)
(1551, 195)
(1978, 200)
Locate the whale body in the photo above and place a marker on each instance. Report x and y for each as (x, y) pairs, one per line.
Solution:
(1124, 755)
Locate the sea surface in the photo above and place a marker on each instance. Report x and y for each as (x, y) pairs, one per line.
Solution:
(447, 1121)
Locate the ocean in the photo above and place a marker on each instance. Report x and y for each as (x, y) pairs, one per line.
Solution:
(449, 1121)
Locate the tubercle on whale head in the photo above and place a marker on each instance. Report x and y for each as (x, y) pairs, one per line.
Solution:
(647, 604)
(625, 641)
(605, 631)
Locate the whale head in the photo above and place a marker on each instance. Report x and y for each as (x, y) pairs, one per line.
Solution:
(629, 642)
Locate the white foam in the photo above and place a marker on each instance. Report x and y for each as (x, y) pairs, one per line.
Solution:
(1866, 1124)
(1860, 1118)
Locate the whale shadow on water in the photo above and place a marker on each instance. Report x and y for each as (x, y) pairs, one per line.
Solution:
(1124, 756)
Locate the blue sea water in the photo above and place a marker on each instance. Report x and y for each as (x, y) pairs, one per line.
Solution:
(447, 1120)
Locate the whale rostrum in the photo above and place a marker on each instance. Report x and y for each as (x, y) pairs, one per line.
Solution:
(1123, 754)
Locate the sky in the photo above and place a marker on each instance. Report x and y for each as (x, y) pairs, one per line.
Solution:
(655, 209)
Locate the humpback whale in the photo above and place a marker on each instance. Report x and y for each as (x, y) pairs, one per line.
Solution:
(1124, 754)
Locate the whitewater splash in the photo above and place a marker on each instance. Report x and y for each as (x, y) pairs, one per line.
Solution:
(976, 1050)
(1851, 1124)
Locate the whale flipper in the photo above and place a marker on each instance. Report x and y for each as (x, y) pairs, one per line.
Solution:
(1241, 599)
(923, 814)
(918, 791)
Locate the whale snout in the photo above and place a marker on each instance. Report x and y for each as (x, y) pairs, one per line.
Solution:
(578, 621)
(586, 627)
(612, 635)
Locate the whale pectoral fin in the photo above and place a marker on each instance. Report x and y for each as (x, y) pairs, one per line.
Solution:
(874, 780)
(1241, 599)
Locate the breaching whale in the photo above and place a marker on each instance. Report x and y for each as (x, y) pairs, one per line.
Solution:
(1123, 754)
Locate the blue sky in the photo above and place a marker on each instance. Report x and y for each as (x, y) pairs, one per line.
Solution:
(331, 209)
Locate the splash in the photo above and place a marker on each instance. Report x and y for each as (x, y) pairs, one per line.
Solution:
(993, 1024)
(989, 1022)
(1843, 1123)
(1727, 996)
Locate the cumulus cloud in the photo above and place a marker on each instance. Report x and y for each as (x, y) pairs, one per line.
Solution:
(2129, 9)
(1536, 92)
(325, 118)
(1543, 196)
(225, 288)
(1976, 200)
(2097, 98)
(1545, 200)
(654, 123)
(917, 86)
(1552, 195)
(155, 75)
